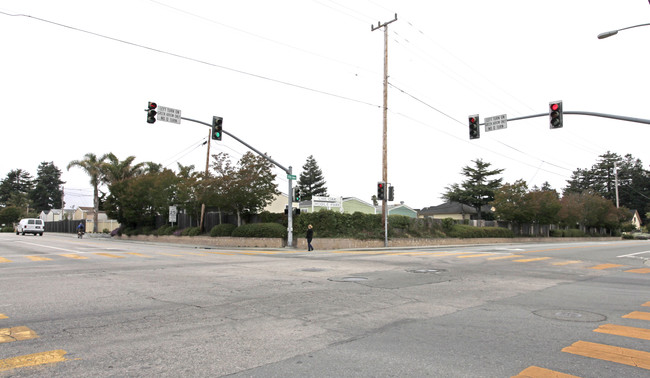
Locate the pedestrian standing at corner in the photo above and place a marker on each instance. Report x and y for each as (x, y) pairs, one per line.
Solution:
(310, 236)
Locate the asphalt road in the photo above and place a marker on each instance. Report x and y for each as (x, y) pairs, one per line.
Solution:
(98, 307)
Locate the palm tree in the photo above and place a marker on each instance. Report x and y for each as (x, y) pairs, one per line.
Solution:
(93, 167)
(114, 170)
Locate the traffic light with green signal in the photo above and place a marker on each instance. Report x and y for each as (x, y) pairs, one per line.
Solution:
(296, 194)
(217, 126)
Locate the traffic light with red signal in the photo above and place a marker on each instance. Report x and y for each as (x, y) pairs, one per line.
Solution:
(555, 114)
(151, 112)
(474, 130)
(381, 190)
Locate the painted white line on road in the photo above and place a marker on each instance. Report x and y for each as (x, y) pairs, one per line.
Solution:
(634, 254)
(45, 246)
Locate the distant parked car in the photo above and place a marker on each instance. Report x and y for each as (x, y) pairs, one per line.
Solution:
(30, 226)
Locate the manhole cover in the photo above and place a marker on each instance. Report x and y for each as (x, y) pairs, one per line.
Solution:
(571, 315)
(313, 270)
(425, 270)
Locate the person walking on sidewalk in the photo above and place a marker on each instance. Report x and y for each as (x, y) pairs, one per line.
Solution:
(310, 236)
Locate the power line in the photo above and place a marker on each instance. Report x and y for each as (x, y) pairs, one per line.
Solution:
(277, 81)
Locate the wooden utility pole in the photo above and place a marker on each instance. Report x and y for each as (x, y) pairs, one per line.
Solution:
(384, 175)
(207, 165)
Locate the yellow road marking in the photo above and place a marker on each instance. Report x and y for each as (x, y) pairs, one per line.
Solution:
(169, 254)
(619, 355)
(567, 262)
(38, 258)
(3, 316)
(476, 255)
(640, 315)
(196, 254)
(35, 359)
(221, 253)
(533, 259)
(4, 260)
(612, 329)
(426, 253)
(109, 255)
(538, 372)
(73, 256)
(505, 257)
(640, 270)
(647, 304)
(8, 335)
(605, 266)
(136, 254)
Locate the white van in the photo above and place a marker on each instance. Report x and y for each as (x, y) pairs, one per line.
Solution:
(30, 226)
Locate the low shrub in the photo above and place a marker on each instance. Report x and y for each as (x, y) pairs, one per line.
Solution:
(260, 230)
(7, 229)
(224, 229)
(465, 231)
(191, 231)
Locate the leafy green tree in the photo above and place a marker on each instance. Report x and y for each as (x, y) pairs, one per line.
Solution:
(633, 181)
(590, 209)
(47, 193)
(14, 188)
(92, 165)
(478, 190)
(136, 201)
(311, 181)
(511, 202)
(544, 205)
(245, 188)
(9, 215)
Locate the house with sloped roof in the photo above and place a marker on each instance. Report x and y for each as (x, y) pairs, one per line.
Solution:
(400, 209)
(635, 219)
(453, 210)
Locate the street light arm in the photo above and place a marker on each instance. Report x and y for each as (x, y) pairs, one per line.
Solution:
(614, 32)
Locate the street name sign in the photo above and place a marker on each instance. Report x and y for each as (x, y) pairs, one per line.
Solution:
(496, 122)
(166, 114)
(291, 177)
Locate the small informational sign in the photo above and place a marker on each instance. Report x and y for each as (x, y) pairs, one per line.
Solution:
(166, 114)
(291, 177)
(496, 122)
(172, 214)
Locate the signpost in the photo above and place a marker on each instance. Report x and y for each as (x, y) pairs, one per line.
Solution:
(496, 122)
(166, 114)
(172, 214)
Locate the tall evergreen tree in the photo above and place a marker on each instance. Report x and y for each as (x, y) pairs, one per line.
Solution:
(311, 181)
(478, 190)
(47, 193)
(14, 189)
(633, 181)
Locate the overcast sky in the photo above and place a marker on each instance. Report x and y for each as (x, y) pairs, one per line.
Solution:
(295, 78)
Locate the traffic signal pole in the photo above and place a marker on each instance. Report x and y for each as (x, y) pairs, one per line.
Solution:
(593, 114)
(288, 170)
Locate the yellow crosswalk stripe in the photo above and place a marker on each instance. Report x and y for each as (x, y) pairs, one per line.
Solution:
(605, 266)
(109, 255)
(137, 254)
(533, 259)
(4, 260)
(73, 256)
(35, 359)
(505, 257)
(562, 263)
(3, 316)
(639, 315)
(619, 330)
(538, 372)
(647, 304)
(475, 255)
(640, 270)
(38, 258)
(8, 335)
(611, 353)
